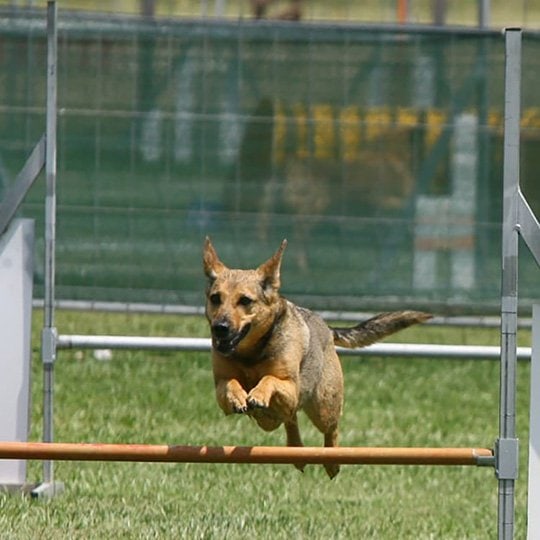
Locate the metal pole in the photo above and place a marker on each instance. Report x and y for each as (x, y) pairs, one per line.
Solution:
(484, 13)
(148, 8)
(415, 350)
(439, 12)
(48, 337)
(507, 447)
(247, 454)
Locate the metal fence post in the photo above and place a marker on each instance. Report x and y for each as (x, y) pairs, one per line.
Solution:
(507, 444)
(48, 336)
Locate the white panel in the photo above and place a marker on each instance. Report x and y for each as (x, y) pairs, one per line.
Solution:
(16, 273)
(533, 513)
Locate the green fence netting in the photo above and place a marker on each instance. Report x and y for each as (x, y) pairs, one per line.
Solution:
(377, 152)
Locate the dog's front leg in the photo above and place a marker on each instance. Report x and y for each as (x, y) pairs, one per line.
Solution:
(280, 395)
(231, 396)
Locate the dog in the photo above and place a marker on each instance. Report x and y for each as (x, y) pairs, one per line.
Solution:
(272, 358)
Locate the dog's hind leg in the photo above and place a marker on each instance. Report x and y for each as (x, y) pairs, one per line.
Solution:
(327, 423)
(294, 438)
(331, 440)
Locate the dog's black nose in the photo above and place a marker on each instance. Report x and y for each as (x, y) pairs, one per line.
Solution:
(221, 329)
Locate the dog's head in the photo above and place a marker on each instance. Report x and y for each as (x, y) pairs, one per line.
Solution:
(241, 305)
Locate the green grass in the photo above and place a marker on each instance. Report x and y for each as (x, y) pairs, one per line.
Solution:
(168, 398)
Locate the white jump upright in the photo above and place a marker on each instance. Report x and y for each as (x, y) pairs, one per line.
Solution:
(16, 277)
(16, 280)
(16, 287)
(533, 511)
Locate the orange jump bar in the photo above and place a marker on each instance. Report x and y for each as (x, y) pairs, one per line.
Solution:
(245, 454)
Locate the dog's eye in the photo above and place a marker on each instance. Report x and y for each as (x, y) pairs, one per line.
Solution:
(215, 299)
(245, 301)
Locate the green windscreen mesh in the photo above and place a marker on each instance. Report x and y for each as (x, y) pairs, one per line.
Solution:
(376, 152)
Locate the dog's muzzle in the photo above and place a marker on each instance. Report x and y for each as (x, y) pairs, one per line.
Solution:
(225, 338)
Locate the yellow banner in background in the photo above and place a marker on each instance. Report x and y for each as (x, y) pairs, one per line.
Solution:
(325, 132)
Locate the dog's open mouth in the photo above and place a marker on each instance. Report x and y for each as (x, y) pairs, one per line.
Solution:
(227, 345)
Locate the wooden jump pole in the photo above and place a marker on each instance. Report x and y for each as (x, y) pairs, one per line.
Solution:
(245, 454)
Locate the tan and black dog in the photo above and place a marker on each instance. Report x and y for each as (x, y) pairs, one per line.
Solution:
(272, 358)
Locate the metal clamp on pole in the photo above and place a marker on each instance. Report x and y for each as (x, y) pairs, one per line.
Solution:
(49, 340)
(507, 459)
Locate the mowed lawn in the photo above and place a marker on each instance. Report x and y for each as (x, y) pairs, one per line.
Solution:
(167, 398)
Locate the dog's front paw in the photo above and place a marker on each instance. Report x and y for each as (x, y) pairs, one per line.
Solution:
(234, 402)
(238, 404)
(239, 409)
(255, 400)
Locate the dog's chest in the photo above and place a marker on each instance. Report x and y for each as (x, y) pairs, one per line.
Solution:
(250, 378)
(279, 368)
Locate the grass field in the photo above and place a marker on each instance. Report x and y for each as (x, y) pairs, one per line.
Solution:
(168, 398)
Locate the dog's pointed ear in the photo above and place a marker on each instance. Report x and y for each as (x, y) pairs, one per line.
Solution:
(211, 263)
(270, 270)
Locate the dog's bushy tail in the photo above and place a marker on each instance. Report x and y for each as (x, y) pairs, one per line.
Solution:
(374, 329)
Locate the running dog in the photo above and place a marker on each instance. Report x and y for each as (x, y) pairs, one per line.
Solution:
(272, 358)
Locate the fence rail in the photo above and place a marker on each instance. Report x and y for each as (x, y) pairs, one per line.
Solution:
(417, 350)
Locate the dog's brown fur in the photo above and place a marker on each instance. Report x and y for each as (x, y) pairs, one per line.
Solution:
(272, 358)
